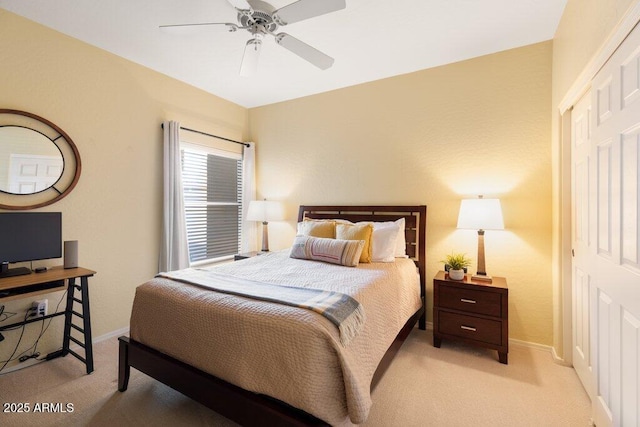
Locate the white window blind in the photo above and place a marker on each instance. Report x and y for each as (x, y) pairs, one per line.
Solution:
(212, 186)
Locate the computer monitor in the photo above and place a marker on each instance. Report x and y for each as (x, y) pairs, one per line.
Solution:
(28, 236)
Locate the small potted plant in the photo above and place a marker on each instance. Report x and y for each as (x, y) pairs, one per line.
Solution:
(457, 264)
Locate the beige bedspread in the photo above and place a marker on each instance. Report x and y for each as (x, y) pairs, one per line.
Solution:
(289, 353)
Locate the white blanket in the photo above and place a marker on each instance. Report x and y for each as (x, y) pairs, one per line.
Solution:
(285, 352)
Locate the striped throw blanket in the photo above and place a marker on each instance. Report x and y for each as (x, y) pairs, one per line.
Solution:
(341, 309)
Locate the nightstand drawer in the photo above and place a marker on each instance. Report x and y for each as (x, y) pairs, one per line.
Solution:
(488, 331)
(471, 301)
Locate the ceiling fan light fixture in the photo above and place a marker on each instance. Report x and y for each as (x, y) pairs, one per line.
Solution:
(249, 64)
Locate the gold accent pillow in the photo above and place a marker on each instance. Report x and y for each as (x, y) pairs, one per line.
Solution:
(317, 228)
(357, 232)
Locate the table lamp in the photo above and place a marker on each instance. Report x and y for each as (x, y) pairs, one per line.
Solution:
(265, 211)
(481, 214)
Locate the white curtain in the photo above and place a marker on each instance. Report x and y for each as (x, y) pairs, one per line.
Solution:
(174, 249)
(249, 236)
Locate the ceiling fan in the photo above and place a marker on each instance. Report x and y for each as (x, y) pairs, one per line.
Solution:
(260, 19)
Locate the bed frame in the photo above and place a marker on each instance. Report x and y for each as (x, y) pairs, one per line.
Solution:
(251, 409)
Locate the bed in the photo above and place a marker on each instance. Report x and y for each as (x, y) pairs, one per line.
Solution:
(299, 375)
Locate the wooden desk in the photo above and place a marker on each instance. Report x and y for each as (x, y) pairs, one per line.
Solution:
(53, 280)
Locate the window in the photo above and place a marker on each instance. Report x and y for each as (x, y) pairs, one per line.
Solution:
(212, 187)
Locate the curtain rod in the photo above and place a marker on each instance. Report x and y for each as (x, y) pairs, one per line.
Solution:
(208, 134)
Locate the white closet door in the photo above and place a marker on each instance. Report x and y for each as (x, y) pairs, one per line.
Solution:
(614, 198)
(581, 242)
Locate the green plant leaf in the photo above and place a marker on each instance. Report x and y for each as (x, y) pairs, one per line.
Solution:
(457, 261)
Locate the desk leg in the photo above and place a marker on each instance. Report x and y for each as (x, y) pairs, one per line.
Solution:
(86, 319)
(86, 322)
(71, 283)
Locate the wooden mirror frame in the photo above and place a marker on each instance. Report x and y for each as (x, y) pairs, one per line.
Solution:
(72, 165)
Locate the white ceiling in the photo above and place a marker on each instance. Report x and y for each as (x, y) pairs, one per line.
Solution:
(370, 39)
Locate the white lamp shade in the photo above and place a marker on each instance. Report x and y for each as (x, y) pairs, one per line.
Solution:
(249, 64)
(480, 214)
(265, 211)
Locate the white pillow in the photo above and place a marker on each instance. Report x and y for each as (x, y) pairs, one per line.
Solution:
(401, 242)
(383, 241)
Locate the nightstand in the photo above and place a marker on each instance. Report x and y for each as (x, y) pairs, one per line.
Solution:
(245, 255)
(472, 311)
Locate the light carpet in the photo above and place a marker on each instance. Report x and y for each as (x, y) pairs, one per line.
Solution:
(455, 385)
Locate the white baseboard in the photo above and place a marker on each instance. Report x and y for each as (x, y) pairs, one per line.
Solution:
(116, 333)
(547, 348)
(22, 365)
(528, 344)
(559, 360)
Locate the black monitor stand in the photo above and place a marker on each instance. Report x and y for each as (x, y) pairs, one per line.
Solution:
(5, 271)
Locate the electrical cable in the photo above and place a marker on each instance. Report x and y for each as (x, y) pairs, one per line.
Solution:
(1, 311)
(42, 330)
(35, 344)
(5, 315)
(49, 324)
(18, 344)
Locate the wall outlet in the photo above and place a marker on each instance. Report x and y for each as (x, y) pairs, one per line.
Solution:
(41, 307)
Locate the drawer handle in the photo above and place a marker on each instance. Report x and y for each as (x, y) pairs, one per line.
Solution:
(468, 301)
(468, 328)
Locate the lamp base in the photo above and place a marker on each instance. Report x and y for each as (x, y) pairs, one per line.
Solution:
(265, 237)
(482, 278)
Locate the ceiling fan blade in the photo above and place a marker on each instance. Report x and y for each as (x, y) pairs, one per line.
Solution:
(305, 9)
(304, 51)
(250, 58)
(195, 28)
(240, 4)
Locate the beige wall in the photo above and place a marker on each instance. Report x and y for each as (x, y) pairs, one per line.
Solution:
(112, 109)
(584, 28)
(431, 137)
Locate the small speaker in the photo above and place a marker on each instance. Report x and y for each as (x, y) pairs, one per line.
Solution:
(70, 254)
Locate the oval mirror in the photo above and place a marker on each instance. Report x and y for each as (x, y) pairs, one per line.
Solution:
(39, 163)
(29, 161)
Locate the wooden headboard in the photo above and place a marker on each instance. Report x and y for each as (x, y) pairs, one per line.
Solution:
(415, 223)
